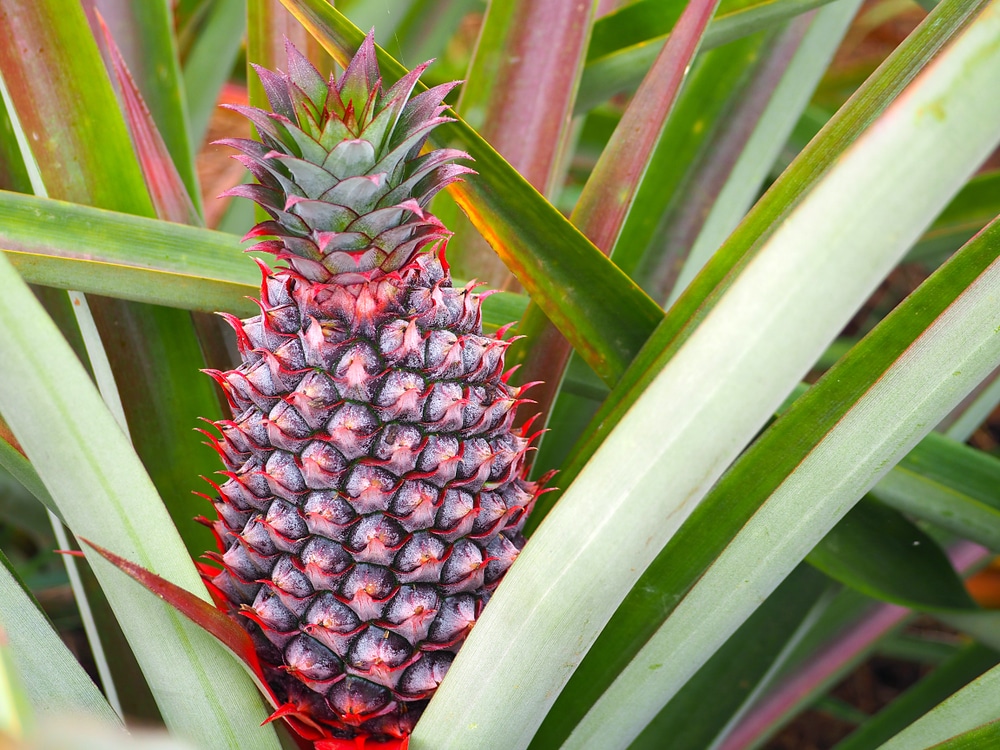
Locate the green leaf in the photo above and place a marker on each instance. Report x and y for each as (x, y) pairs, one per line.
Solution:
(719, 389)
(876, 550)
(70, 246)
(739, 160)
(76, 137)
(812, 465)
(13, 174)
(171, 198)
(76, 247)
(972, 209)
(968, 719)
(621, 68)
(604, 315)
(144, 33)
(610, 192)
(966, 665)
(15, 463)
(105, 494)
(950, 485)
(54, 682)
(975, 739)
(210, 61)
(737, 671)
(742, 245)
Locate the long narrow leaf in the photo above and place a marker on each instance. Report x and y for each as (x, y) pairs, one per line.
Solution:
(950, 485)
(974, 705)
(732, 181)
(737, 670)
(105, 494)
(947, 678)
(57, 684)
(145, 35)
(210, 61)
(170, 196)
(518, 95)
(881, 553)
(611, 190)
(811, 486)
(129, 257)
(621, 69)
(716, 392)
(699, 298)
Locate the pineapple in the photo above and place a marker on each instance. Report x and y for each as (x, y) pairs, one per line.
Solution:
(374, 490)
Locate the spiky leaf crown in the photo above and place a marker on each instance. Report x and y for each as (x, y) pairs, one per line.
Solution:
(340, 170)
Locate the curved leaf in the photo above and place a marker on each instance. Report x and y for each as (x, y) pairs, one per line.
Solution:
(619, 69)
(947, 678)
(104, 493)
(145, 34)
(518, 95)
(54, 681)
(811, 466)
(610, 193)
(699, 299)
(737, 671)
(973, 711)
(877, 551)
(950, 485)
(699, 412)
(209, 61)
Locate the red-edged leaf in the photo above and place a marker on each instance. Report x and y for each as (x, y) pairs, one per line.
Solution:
(196, 609)
(228, 632)
(238, 641)
(166, 188)
(611, 189)
(519, 95)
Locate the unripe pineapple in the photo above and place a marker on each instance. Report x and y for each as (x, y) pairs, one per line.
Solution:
(375, 491)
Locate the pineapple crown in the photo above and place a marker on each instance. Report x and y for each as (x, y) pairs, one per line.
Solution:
(339, 168)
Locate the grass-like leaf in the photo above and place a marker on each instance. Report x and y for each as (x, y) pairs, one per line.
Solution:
(105, 494)
(54, 682)
(612, 69)
(149, 49)
(947, 678)
(209, 61)
(700, 411)
(881, 553)
(168, 192)
(966, 720)
(765, 111)
(741, 246)
(950, 485)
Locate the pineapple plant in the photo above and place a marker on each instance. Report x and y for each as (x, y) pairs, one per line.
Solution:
(375, 487)
(703, 563)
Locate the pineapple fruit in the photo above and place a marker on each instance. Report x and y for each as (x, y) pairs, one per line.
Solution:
(375, 490)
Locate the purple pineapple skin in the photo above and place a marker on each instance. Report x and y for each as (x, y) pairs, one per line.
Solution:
(374, 489)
